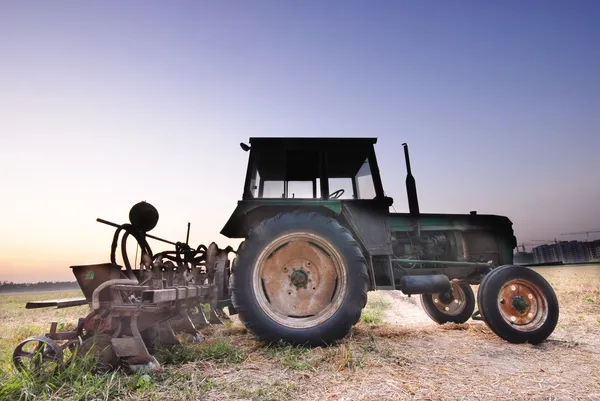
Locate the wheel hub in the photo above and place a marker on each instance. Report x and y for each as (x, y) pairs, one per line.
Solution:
(447, 297)
(299, 278)
(519, 304)
(450, 303)
(522, 304)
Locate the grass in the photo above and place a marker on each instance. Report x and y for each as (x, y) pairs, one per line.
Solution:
(290, 356)
(75, 381)
(376, 361)
(373, 313)
(217, 350)
(578, 291)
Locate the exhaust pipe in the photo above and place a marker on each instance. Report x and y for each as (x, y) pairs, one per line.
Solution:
(411, 186)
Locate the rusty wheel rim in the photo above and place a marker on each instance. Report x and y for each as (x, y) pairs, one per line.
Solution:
(523, 305)
(299, 280)
(454, 305)
(46, 355)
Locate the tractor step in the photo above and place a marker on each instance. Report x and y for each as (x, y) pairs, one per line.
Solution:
(59, 303)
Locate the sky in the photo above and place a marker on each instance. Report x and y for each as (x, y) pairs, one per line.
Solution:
(105, 104)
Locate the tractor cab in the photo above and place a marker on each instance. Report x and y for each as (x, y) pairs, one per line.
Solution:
(312, 168)
(325, 175)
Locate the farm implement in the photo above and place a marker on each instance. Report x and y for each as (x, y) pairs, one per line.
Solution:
(172, 292)
(317, 236)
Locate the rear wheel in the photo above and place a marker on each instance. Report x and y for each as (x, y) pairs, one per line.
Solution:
(456, 306)
(300, 277)
(518, 304)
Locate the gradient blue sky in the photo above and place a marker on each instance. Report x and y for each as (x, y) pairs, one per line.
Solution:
(104, 104)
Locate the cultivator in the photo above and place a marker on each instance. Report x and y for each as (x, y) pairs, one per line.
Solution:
(170, 296)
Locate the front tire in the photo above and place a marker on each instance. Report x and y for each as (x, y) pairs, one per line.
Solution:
(518, 305)
(300, 277)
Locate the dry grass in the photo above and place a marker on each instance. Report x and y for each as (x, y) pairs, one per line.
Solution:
(18, 323)
(387, 359)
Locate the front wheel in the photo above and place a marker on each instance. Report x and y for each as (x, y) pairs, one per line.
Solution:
(300, 277)
(518, 304)
(456, 306)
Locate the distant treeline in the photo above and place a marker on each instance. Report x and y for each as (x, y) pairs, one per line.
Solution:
(7, 286)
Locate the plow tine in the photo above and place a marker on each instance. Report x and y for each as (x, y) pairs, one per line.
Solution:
(199, 319)
(224, 316)
(188, 327)
(214, 318)
(166, 335)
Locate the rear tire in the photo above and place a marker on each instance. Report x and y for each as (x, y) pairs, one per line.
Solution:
(458, 308)
(518, 305)
(300, 277)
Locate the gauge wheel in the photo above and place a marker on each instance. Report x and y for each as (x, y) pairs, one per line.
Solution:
(36, 354)
(300, 277)
(455, 306)
(518, 304)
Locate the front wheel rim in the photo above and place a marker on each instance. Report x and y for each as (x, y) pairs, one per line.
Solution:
(299, 280)
(453, 306)
(523, 305)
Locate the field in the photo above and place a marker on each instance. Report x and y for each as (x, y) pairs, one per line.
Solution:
(394, 353)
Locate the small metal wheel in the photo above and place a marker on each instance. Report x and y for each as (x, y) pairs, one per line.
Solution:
(456, 306)
(301, 278)
(518, 304)
(99, 347)
(37, 354)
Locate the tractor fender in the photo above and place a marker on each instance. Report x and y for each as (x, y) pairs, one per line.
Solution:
(244, 219)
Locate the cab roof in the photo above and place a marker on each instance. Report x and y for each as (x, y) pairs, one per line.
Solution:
(311, 142)
(300, 158)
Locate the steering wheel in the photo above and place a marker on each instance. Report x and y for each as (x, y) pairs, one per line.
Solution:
(336, 194)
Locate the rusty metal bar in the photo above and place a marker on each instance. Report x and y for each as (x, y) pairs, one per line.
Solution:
(96, 294)
(121, 287)
(171, 294)
(59, 303)
(108, 223)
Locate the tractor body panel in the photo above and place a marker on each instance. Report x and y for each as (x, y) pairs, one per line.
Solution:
(384, 236)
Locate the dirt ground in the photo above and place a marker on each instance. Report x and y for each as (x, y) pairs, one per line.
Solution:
(408, 356)
(403, 356)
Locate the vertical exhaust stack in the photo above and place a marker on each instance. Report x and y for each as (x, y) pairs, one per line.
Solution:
(411, 186)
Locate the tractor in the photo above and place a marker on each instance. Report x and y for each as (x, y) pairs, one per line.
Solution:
(316, 236)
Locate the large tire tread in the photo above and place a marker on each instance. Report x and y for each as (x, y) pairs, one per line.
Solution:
(339, 325)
